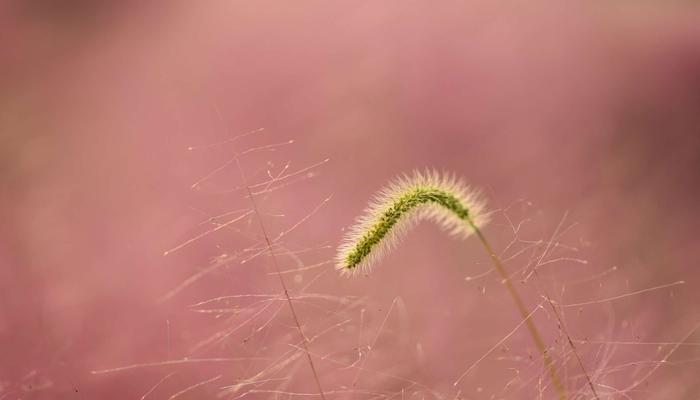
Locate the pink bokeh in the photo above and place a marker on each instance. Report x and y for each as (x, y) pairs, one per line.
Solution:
(584, 115)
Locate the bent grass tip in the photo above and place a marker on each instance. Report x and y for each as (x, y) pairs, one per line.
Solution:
(444, 199)
(406, 201)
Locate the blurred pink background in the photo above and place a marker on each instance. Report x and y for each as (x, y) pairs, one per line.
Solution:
(582, 114)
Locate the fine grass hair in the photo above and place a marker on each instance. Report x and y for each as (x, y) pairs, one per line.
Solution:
(442, 198)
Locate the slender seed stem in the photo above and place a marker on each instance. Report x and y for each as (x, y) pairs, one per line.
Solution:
(536, 337)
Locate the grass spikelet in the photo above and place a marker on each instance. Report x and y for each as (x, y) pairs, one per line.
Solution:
(446, 200)
(393, 211)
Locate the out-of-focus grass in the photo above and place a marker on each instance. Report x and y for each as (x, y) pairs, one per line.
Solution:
(585, 109)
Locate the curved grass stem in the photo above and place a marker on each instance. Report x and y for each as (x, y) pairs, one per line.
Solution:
(531, 327)
(446, 200)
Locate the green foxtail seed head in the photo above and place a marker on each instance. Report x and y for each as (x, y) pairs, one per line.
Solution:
(397, 207)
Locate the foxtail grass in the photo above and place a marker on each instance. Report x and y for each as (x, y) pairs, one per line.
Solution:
(450, 203)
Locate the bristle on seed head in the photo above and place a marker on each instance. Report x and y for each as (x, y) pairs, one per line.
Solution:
(396, 208)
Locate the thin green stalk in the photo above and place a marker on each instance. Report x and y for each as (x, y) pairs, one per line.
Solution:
(536, 337)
